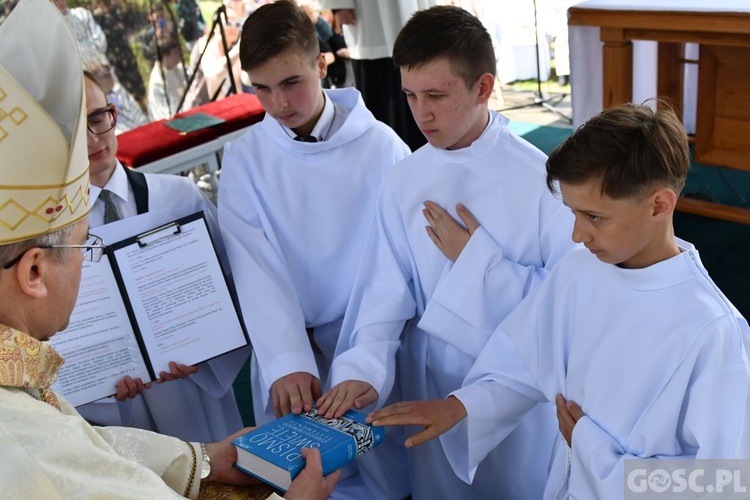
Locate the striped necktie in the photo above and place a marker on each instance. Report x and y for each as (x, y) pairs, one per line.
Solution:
(110, 210)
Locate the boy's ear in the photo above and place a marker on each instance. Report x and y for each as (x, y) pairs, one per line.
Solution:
(31, 271)
(486, 86)
(322, 66)
(663, 202)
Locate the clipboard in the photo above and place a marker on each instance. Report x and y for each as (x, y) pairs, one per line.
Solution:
(172, 291)
(164, 231)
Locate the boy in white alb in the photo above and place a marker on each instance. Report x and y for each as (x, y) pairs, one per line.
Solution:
(296, 200)
(447, 67)
(642, 354)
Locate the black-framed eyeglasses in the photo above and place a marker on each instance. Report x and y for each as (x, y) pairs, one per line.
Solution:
(102, 121)
(92, 250)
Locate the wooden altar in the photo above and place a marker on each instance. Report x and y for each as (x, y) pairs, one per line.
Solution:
(722, 135)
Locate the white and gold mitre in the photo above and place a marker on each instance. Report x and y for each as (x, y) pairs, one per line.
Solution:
(44, 178)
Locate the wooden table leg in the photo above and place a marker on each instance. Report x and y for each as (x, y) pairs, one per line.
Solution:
(669, 81)
(617, 62)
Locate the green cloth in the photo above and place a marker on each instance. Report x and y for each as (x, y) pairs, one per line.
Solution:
(193, 122)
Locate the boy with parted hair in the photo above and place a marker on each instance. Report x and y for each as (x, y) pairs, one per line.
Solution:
(409, 298)
(296, 199)
(642, 354)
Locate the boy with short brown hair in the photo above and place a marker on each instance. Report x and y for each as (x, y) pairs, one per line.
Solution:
(296, 200)
(642, 354)
(417, 320)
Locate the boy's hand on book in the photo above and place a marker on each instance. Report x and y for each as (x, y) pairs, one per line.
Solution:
(568, 414)
(447, 234)
(435, 416)
(295, 393)
(129, 387)
(178, 371)
(310, 483)
(341, 398)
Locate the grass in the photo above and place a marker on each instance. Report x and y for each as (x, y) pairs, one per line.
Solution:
(550, 86)
(208, 7)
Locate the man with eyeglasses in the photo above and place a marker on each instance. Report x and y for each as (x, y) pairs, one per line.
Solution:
(117, 193)
(92, 249)
(47, 449)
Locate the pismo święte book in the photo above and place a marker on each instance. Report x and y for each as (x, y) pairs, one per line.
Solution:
(273, 454)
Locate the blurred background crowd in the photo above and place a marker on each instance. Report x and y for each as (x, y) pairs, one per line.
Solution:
(156, 58)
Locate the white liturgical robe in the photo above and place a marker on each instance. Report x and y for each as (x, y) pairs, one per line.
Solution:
(524, 231)
(655, 357)
(295, 217)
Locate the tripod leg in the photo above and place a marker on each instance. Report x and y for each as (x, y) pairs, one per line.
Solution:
(553, 109)
(539, 98)
(499, 92)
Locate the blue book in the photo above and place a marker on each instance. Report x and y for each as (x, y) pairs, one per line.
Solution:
(272, 453)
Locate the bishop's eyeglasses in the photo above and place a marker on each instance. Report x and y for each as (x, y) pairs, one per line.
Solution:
(92, 249)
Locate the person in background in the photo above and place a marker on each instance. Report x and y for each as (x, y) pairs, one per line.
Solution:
(340, 72)
(167, 82)
(92, 42)
(212, 73)
(129, 112)
(159, 27)
(370, 28)
(324, 32)
(117, 21)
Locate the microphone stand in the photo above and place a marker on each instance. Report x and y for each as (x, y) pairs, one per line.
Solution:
(539, 99)
(216, 21)
(158, 51)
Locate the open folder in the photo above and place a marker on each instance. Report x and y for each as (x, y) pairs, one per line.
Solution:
(158, 296)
